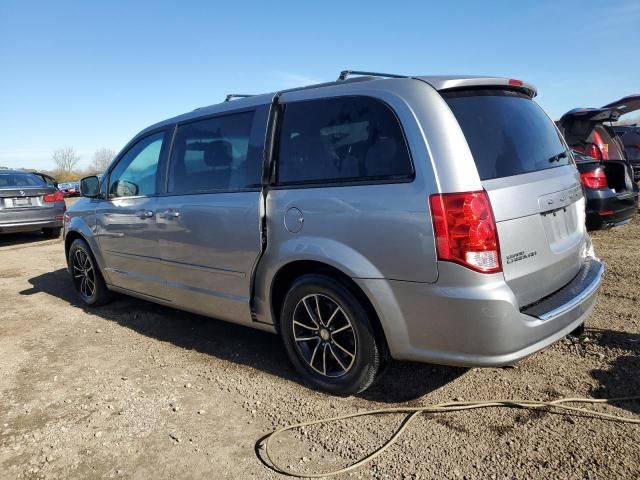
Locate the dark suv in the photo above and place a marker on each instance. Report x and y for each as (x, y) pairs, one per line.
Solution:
(606, 173)
(629, 135)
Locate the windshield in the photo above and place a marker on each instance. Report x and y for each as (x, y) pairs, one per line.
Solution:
(507, 132)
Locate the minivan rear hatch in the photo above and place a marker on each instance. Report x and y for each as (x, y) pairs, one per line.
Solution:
(534, 187)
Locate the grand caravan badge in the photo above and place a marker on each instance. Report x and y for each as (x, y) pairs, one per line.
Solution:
(516, 257)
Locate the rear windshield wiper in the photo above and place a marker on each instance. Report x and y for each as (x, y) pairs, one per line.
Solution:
(558, 157)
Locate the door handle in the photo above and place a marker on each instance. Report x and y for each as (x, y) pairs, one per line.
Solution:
(170, 214)
(145, 214)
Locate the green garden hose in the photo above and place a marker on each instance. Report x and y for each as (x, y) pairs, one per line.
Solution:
(413, 412)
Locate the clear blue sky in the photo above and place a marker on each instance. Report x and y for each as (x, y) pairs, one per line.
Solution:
(92, 74)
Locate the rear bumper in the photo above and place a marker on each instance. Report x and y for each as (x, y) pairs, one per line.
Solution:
(32, 219)
(29, 226)
(477, 322)
(622, 208)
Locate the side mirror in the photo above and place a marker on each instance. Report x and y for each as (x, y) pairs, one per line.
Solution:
(125, 188)
(90, 187)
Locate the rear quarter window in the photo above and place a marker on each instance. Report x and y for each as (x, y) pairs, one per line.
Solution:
(344, 139)
(507, 132)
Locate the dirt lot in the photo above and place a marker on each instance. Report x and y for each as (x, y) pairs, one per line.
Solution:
(134, 390)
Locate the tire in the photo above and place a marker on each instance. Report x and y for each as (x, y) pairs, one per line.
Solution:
(84, 272)
(321, 355)
(52, 232)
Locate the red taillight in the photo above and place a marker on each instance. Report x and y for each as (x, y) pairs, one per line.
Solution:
(594, 179)
(516, 83)
(54, 197)
(465, 230)
(593, 151)
(602, 147)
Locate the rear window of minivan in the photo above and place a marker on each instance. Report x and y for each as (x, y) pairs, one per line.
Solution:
(507, 132)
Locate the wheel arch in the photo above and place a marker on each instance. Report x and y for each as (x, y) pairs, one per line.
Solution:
(288, 273)
(69, 238)
(75, 232)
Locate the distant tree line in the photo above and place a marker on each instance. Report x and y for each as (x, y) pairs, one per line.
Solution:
(66, 161)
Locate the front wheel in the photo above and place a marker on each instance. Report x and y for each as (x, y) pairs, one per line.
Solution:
(86, 276)
(328, 336)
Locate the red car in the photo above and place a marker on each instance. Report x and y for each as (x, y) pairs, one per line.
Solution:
(70, 189)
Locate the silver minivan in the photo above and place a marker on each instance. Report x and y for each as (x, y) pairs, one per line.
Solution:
(433, 219)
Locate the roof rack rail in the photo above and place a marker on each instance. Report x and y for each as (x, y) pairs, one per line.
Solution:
(231, 96)
(346, 73)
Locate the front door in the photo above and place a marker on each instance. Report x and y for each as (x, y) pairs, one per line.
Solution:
(126, 219)
(209, 220)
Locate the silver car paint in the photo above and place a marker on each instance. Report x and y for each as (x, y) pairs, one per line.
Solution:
(466, 319)
(379, 235)
(209, 244)
(447, 82)
(129, 244)
(520, 205)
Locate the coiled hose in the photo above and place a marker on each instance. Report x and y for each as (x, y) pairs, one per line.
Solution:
(413, 412)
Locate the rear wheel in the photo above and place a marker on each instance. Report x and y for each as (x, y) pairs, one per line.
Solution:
(86, 276)
(328, 336)
(52, 232)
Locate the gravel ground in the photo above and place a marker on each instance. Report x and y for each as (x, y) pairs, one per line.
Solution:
(135, 390)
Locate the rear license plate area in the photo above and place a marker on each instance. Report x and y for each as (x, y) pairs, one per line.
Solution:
(558, 223)
(19, 202)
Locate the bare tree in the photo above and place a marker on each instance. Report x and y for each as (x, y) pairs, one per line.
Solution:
(65, 159)
(102, 158)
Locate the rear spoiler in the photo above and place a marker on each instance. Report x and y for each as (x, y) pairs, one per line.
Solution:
(443, 83)
(451, 82)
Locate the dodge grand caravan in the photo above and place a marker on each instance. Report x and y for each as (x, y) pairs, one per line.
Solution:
(434, 219)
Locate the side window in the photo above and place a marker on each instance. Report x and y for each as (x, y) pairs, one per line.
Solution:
(135, 173)
(214, 154)
(341, 139)
(49, 181)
